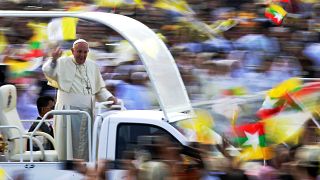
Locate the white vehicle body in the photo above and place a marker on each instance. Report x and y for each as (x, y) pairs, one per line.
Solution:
(164, 76)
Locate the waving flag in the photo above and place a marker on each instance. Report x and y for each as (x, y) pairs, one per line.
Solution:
(36, 41)
(308, 96)
(291, 93)
(252, 138)
(285, 1)
(19, 68)
(3, 42)
(110, 3)
(278, 97)
(286, 127)
(275, 13)
(200, 127)
(270, 107)
(60, 29)
(119, 3)
(289, 85)
(250, 135)
(179, 6)
(234, 91)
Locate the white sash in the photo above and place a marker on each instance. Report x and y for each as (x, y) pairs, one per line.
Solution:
(77, 100)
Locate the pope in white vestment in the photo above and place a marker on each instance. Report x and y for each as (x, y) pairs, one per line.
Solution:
(79, 85)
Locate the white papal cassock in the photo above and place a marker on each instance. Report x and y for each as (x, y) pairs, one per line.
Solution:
(79, 86)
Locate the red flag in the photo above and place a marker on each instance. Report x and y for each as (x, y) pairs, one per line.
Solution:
(252, 138)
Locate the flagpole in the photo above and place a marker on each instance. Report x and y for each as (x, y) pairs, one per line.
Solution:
(264, 157)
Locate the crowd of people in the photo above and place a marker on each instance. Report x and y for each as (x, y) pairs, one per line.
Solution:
(164, 160)
(220, 50)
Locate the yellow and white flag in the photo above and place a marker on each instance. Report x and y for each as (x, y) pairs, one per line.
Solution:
(61, 29)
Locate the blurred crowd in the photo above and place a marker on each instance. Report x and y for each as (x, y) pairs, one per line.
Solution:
(158, 158)
(222, 48)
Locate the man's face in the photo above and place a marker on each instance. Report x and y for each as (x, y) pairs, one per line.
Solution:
(47, 108)
(80, 52)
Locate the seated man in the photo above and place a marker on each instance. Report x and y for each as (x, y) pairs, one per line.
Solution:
(44, 105)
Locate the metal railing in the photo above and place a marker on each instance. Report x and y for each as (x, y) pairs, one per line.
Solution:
(62, 112)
